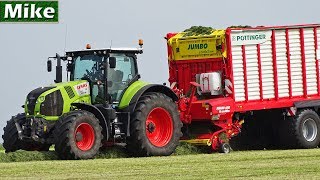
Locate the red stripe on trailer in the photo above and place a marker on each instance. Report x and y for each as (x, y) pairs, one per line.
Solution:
(244, 58)
(260, 72)
(303, 62)
(315, 35)
(288, 63)
(275, 70)
(271, 104)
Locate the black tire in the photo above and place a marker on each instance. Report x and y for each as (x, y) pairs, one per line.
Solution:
(11, 141)
(66, 144)
(141, 142)
(224, 148)
(304, 129)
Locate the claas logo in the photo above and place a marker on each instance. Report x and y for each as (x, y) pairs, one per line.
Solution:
(81, 86)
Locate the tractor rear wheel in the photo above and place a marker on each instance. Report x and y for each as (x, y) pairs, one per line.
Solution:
(11, 141)
(155, 127)
(77, 135)
(304, 131)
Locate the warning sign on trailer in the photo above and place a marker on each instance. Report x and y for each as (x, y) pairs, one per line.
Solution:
(250, 37)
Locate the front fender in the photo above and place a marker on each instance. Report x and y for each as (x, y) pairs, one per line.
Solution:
(99, 115)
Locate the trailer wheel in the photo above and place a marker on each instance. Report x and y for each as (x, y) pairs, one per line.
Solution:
(305, 128)
(224, 148)
(155, 127)
(11, 141)
(77, 135)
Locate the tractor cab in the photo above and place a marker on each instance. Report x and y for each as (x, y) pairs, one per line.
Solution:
(109, 71)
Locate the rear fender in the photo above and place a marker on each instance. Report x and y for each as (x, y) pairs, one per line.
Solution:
(146, 89)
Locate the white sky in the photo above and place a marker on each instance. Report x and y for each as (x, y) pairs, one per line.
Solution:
(24, 48)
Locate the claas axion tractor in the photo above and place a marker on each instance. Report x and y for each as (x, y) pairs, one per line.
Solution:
(104, 102)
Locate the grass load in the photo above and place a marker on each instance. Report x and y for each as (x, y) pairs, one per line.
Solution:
(204, 30)
(198, 31)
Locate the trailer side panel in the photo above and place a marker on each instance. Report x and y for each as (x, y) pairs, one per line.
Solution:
(272, 64)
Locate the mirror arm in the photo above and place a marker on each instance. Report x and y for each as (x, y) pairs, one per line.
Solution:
(105, 77)
(58, 69)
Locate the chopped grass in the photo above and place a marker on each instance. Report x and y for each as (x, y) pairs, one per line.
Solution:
(187, 149)
(109, 153)
(21, 155)
(113, 152)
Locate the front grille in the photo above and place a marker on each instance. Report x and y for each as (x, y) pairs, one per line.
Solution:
(33, 96)
(52, 105)
(69, 91)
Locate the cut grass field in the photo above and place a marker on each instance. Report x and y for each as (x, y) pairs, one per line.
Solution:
(277, 164)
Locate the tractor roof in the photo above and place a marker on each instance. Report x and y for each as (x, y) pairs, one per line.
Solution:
(105, 51)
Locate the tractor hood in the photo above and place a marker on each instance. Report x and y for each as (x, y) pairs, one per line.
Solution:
(52, 101)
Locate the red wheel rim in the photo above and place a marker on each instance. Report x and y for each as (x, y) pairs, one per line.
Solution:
(159, 127)
(84, 136)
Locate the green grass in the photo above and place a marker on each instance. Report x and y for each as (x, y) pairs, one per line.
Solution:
(279, 164)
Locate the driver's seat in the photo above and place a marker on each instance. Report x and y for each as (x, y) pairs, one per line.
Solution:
(118, 76)
(116, 89)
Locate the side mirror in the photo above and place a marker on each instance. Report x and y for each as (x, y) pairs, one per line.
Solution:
(112, 62)
(49, 65)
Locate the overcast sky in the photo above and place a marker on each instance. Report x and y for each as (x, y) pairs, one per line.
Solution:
(25, 47)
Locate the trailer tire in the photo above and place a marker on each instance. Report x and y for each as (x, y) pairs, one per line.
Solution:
(305, 128)
(155, 127)
(224, 148)
(11, 141)
(77, 135)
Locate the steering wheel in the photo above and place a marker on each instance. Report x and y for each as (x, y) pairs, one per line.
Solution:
(94, 75)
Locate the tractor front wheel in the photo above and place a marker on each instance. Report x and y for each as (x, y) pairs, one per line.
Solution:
(155, 127)
(77, 135)
(11, 141)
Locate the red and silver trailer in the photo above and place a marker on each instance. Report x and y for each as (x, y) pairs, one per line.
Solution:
(229, 75)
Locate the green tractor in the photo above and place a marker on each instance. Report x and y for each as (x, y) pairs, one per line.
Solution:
(102, 103)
